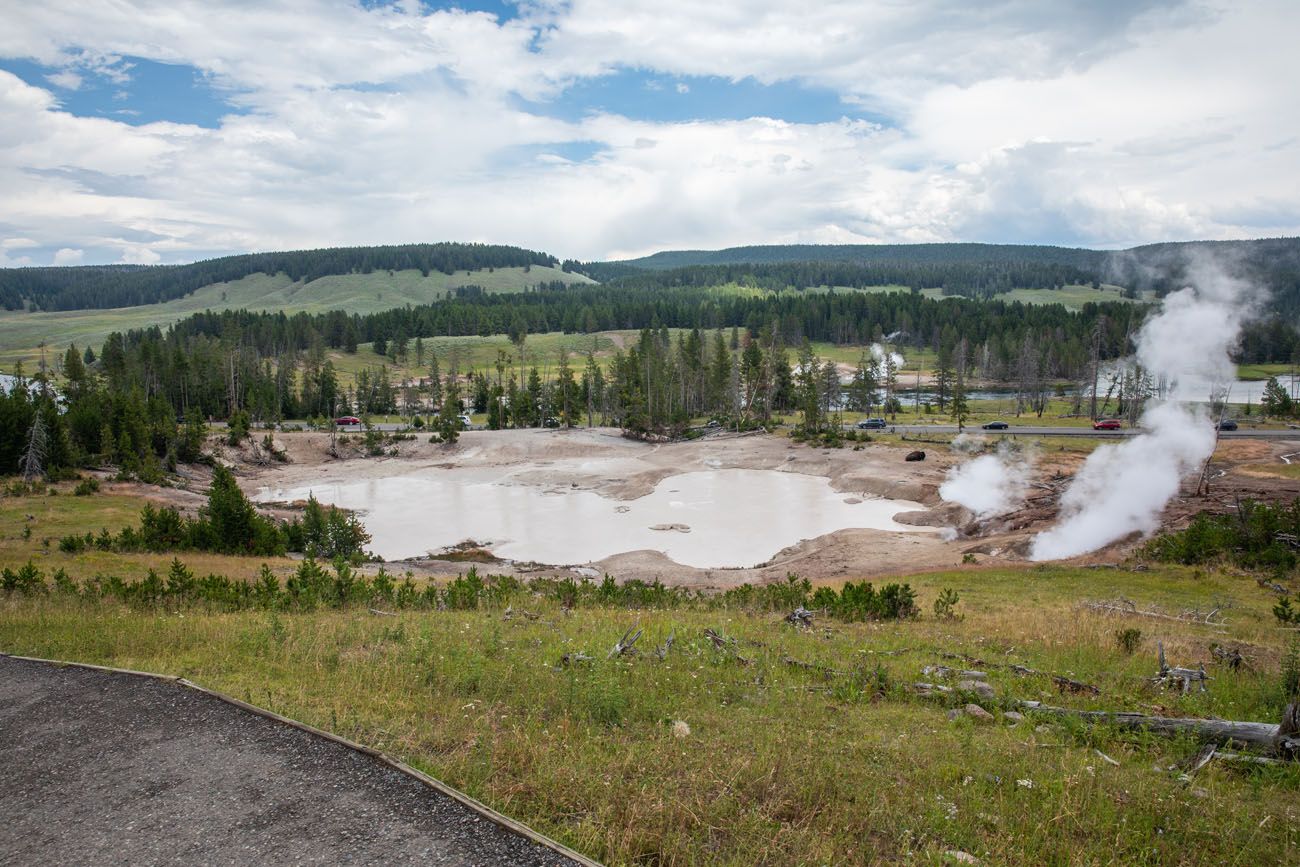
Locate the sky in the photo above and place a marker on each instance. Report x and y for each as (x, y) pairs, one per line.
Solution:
(147, 131)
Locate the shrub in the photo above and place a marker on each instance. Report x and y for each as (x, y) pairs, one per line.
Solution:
(239, 426)
(1291, 672)
(464, 592)
(1254, 537)
(945, 607)
(86, 487)
(327, 534)
(864, 602)
(27, 581)
(1128, 639)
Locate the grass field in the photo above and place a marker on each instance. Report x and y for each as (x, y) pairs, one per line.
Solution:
(472, 354)
(702, 758)
(1072, 297)
(1264, 371)
(21, 333)
(31, 526)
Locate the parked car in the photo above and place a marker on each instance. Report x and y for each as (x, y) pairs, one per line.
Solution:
(1106, 424)
(1228, 424)
(465, 421)
(551, 421)
(345, 420)
(873, 424)
(995, 425)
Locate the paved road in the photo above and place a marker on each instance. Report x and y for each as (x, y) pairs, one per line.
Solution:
(1041, 430)
(1019, 430)
(105, 768)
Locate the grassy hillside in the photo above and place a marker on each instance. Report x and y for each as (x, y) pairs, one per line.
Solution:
(22, 332)
(862, 253)
(1072, 297)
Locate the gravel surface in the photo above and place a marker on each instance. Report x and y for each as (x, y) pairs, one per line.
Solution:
(105, 768)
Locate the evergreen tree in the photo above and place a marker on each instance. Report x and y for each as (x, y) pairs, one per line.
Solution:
(808, 390)
(449, 417)
(1275, 402)
(960, 408)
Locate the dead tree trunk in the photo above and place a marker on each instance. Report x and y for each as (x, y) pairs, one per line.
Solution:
(33, 459)
(1260, 736)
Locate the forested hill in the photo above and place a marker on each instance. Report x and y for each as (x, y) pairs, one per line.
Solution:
(105, 286)
(985, 269)
(865, 254)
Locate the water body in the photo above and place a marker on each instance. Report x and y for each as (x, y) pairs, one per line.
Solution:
(707, 519)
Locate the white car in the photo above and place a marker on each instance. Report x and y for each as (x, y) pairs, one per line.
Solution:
(465, 421)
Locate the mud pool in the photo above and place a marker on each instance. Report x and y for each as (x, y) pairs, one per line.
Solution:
(706, 519)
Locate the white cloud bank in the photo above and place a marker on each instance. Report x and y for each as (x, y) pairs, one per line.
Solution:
(1102, 124)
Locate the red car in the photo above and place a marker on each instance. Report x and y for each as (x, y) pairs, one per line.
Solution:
(1106, 424)
(347, 420)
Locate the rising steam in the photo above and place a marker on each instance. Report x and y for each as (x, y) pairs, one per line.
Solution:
(879, 353)
(1123, 488)
(989, 485)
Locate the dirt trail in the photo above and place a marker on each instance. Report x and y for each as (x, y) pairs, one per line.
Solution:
(112, 768)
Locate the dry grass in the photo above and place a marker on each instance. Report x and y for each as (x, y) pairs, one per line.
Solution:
(781, 764)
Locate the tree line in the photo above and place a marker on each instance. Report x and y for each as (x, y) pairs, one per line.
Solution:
(971, 279)
(106, 286)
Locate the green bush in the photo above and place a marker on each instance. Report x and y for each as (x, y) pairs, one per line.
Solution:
(1129, 640)
(945, 607)
(1255, 536)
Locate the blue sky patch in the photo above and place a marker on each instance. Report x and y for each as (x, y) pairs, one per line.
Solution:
(151, 92)
(642, 95)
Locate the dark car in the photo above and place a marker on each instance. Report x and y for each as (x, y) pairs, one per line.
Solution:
(347, 420)
(873, 424)
(1227, 424)
(1106, 424)
(995, 425)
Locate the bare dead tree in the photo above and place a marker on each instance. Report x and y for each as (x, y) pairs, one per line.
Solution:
(32, 462)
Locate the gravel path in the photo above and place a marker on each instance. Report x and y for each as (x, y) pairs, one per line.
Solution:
(105, 768)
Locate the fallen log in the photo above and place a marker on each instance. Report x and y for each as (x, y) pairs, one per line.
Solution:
(1260, 736)
(1127, 607)
(1065, 684)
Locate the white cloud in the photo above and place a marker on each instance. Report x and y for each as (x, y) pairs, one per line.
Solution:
(1020, 120)
(69, 256)
(135, 254)
(67, 79)
(8, 245)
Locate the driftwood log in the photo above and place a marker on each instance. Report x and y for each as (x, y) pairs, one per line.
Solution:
(1169, 676)
(1281, 739)
(1128, 607)
(625, 644)
(800, 618)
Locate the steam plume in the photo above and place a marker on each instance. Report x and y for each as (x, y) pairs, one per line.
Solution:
(989, 485)
(878, 352)
(1123, 488)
